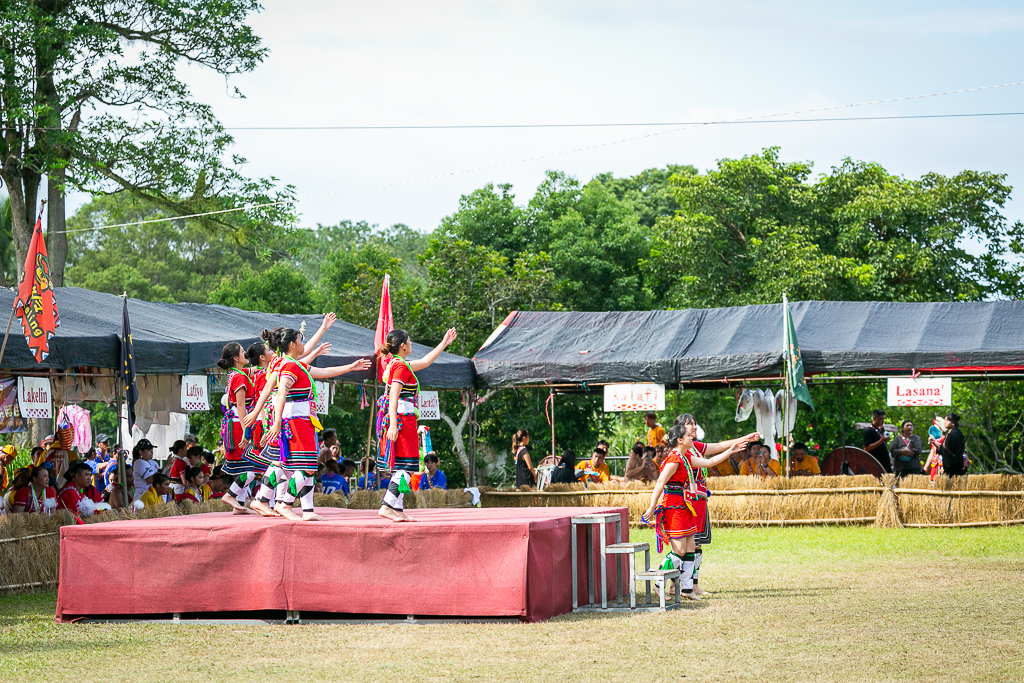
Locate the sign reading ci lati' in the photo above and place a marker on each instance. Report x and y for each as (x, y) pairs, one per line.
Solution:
(920, 391)
(34, 397)
(430, 406)
(624, 397)
(195, 396)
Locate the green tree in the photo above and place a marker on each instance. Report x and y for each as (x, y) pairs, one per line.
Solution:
(651, 192)
(91, 99)
(8, 265)
(279, 289)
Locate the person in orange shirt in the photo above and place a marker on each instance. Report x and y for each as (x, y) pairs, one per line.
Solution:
(655, 432)
(596, 469)
(803, 465)
(760, 464)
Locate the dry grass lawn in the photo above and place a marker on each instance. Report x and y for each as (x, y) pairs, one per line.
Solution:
(814, 604)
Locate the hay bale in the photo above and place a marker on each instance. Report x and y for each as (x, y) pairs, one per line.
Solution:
(330, 500)
(30, 551)
(365, 500)
(888, 514)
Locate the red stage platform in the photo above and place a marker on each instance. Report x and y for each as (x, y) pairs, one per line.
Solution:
(492, 562)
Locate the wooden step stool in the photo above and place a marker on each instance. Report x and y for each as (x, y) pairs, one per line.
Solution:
(660, 577)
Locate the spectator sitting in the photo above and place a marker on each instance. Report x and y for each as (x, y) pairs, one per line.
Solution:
(194, 479)
(760, 464)
(565, 471)
(328, 438)
(640, 466)
(157, 492)
(37, 495)
(332, 481)
(371, 465)
(193, 458)
(731, 466)
(22, 478)
(802, 464)
(433, 478)
(70, 497)
(8, 454)
(38, 457)
(875, 439)
(114, 494)
(104, 456)
(655, 432)
(191, 441)
(348, 469)
(661, 452)
(178, 450)
(595, 469)
(219, 485)
(143, 467)
(209, 463)
(906, 451)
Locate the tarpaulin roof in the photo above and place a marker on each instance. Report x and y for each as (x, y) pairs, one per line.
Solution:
(183, 338)
(669, 347)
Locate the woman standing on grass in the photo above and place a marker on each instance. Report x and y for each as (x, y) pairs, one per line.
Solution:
(525, 474)
(398, 443)
(677, 508)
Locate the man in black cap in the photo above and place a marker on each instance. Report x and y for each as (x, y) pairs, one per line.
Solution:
(143, 467)
(875, 440)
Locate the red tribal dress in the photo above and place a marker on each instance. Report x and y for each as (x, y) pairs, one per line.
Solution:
(254, 453)
(682, 508)
(404, 452)
(231, 429)
(297, 446)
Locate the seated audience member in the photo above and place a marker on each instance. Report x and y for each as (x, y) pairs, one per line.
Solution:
(348, 470)
(803, 464)
(761, 464)
(38, 457)
(209, 463)
(565, 471)
(37, 496)
(191, 441)
(194, 480)
(660, 453)
(371, 465)
(143, 467)
(595, 469)
(22, 477)
(178, 450)
(905, 450)
(331, 480)
(157, 492)
(640, 466)
(193, 458)
(220, 484)
(655, 432)
(114, 495)
(433, 477)
(70, 496)
(731, 466)
(8, 454)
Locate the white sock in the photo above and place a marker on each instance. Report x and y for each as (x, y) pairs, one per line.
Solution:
(686, 574)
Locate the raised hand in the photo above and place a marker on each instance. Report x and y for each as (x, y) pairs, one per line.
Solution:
(329, 319)
(449, 337)
(361, 364)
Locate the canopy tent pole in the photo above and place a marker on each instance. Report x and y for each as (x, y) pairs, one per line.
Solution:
(369, 427)
(121, 465)
(785, 384)
(552, 399)
(842, 420)
(472, 437)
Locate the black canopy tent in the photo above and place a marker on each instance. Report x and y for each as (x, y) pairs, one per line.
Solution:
(678, 347)
(189, 338)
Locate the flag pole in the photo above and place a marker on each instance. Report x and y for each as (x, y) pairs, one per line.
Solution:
(786, 388)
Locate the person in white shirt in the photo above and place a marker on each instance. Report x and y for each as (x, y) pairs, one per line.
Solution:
(143, 467)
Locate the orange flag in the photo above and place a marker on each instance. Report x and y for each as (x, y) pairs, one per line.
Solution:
(35, 306)
(385, 323)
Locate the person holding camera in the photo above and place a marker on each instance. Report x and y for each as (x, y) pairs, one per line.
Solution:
(875, 440)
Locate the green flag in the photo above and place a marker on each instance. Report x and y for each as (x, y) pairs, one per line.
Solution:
(794, 362)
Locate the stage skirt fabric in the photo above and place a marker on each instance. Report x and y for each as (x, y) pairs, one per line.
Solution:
(406, 448)
(677, 520)
(302, 445)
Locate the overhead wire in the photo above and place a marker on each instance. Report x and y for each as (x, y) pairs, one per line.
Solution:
(757, 118)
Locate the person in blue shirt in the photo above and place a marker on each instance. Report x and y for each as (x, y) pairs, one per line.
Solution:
(371, 464)
(331, 479)
(433, 478)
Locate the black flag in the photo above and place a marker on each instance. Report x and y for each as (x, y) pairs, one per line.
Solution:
(127, 372)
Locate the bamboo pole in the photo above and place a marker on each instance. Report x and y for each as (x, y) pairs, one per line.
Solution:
(647, 492)
(30, 536)
(842, 521)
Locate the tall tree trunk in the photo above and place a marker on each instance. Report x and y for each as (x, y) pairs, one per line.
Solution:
(57, 238)
(23, 191)
(458, 427)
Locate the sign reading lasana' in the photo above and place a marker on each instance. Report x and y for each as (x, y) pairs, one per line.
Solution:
(195, 396)
(429, 405)
(920, 391)
(625, 397)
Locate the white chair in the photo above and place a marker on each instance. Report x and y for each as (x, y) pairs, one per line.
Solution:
(544, 476)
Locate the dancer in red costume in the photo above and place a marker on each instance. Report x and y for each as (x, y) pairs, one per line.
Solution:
(241, 397)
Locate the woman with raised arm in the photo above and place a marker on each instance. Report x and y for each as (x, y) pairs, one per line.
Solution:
(677, 502)
(241, 396)
(291, 440)
(397, 412)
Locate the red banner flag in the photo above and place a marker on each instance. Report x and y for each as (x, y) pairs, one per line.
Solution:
(35, 306)
(385, 323)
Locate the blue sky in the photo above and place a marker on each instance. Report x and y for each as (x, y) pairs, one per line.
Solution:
(399, 63)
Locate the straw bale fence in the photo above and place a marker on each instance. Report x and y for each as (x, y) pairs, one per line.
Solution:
(977, 500)
(30, 544)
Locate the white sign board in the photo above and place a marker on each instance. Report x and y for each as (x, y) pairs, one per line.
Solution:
(920, 391)
(35, 397)
(626, 397)
(430, 406)
(195, 396)
(323, 397)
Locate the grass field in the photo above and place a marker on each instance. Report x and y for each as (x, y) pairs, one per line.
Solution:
(808, 604)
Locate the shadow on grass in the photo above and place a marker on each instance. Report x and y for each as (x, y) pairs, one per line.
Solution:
(801, 592)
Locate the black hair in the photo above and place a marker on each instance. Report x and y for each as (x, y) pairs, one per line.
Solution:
(651, 414)
(76, 467)
(684, 419)
(195, 451)
(954, 418)
(517, 440)
(254, 352)
(878, 412)
(36, 451)
(677, 432)
(649, 449)
(228, 355)
(638, 449)
(209, 457)
(193, 472)
(432, 457)
(161, 478)
(328, 434)
(800, 446)
(393, 341)
(905, 423)
(568, 459)
(280, 338)
(177, 446)
(227, 479)
(191, 438)
(35, 471)
(346, 464)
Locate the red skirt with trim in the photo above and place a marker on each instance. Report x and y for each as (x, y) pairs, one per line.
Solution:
(405, 449)
(237, 433)
(302, 446)
(676, 519)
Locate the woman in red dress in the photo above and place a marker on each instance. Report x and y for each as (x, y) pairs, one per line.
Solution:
(291, 440)
(241, 397)
(678, 503)
(398, 444)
